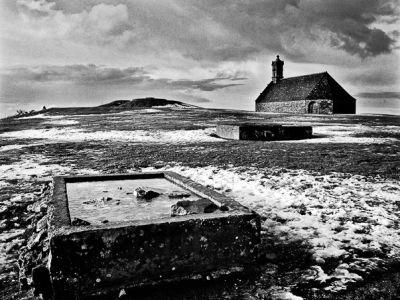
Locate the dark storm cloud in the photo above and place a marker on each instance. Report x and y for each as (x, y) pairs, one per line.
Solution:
(357, 38)
(380, 95)
(76, 73)
(348, 22)
(206, 85)
(92, 75)
(236, 30)
(351, 22)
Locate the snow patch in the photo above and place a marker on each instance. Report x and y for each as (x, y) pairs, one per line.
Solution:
(16, 147)
(344, 133)
(175, 106)
(149, 110)
(61, 122)
(43, 116)
(54, 120)
(136, 136)
(335, 214)
(35, 166)
(288, 296)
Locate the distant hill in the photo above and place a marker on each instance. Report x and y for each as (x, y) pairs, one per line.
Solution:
(142, 102)
(112, 107)
(116, 103)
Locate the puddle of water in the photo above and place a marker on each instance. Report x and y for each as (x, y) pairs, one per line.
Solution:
(110, 201)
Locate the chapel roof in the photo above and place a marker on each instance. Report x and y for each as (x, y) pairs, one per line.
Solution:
(312, 86)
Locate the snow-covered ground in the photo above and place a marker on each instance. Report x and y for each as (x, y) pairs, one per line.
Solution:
(61, 122)
(322, 132)
(26, 171)
(349, 219)
(338, 215)
(17, 146)
(53, 120)
(344, 133)
(134, 136)
(35, 166)
(176, 106)
(43, 116)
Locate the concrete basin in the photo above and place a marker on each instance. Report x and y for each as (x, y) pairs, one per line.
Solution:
(98, 246)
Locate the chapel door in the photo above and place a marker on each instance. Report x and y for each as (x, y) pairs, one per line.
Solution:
(313, 108)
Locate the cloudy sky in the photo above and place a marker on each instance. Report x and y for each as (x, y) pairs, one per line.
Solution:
(212, 53)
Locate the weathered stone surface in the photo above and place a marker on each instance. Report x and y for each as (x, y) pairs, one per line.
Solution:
(41, 224)
(263, 132)
(145, 193)
(41, 282)
(250, 131)
(228, 131)
(178, 195)
(296, 132)
(79, 222)
(295, 107)
(321, 106)
(35, 239)
(91, 259)
(186, 207)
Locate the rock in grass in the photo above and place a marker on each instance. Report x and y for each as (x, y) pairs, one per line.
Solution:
(41, 224)
(35, 239)
(122, 294)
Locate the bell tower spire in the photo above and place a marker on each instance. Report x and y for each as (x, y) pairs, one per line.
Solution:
(277, 69)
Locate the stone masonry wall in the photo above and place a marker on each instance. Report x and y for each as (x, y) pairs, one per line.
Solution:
(296, 107)
(325, 106)
(228, 131)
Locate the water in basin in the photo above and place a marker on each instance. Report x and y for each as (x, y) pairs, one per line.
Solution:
(110, 201)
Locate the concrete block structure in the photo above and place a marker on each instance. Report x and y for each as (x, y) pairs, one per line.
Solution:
(309, 94)
(93, 258)
(263, 132)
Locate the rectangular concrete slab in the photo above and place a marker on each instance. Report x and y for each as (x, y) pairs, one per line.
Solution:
(295, 132)
(262, 131)
(97, 257)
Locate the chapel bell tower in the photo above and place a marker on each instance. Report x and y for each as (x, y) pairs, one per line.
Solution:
(277, 69)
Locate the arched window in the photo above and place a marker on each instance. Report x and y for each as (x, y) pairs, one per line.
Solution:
(313, 108)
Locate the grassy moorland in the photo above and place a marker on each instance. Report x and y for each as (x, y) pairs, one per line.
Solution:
(330, 205)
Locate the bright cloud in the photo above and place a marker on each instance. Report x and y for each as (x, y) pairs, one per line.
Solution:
(177, 48)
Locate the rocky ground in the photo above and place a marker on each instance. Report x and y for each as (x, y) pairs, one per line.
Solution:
(330, 205)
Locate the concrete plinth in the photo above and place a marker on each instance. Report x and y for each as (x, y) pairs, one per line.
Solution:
(292, 132)
(263, 132)
(93, 259)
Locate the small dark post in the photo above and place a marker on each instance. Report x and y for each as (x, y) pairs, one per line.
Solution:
(277, 69)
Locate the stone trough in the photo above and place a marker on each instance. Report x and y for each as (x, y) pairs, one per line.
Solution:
(263, 132)
(105, 235)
